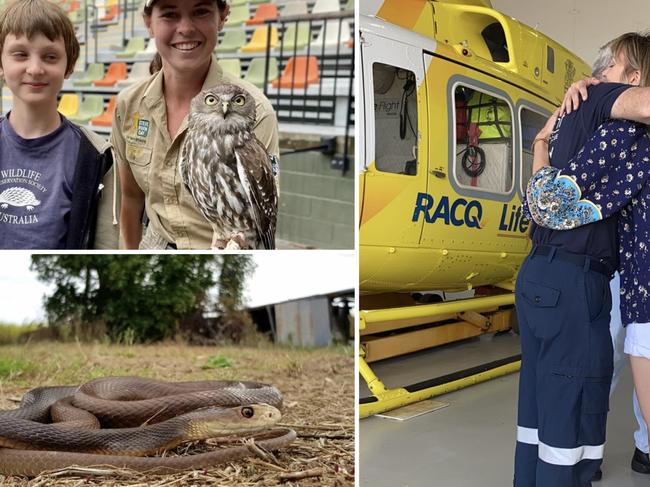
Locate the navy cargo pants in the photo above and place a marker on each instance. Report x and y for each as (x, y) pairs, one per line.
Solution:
(563, 310)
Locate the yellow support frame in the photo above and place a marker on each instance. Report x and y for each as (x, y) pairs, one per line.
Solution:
(387, 399)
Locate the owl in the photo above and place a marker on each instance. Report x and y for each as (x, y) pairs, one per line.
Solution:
(228, 171)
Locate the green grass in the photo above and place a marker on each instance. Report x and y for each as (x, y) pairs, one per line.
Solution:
(217, 362)
(10, 334)
(12, 368)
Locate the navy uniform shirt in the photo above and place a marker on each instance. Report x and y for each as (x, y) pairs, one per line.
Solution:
(598, 239)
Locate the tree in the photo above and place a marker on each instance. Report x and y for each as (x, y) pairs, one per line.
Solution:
(140, 297)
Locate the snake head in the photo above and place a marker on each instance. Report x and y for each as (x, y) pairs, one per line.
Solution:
(218, 421)
(263, 413)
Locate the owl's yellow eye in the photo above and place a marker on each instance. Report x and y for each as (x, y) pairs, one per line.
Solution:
(239, 100)
(210, 100)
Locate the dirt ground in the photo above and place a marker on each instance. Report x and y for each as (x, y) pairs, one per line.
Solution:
(318, 389)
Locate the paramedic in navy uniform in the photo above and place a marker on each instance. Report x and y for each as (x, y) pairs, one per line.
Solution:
(563, 303)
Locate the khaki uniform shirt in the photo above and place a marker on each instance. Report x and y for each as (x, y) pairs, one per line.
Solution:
(141, 140)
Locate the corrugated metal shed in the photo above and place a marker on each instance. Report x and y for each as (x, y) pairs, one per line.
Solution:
(305, 322)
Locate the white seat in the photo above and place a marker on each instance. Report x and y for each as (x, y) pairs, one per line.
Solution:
(296, 7)
(138, 71)
(149, 51)
(331, 37)
(322, 6)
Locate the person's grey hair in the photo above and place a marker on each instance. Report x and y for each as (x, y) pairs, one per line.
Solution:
(602, 61)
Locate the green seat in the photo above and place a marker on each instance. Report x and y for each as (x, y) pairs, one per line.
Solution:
(256, 68)
(261, 1)
(350, 5)
(134, 46)
(238, 2)
(295, 36)
(93, 73)
(232, 41)
(238, 15)
(92, 106)
(232, 66)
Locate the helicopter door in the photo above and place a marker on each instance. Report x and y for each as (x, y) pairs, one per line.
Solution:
(394, 153)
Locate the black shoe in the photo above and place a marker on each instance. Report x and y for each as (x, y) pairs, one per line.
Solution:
(597, 476)
(640, 462)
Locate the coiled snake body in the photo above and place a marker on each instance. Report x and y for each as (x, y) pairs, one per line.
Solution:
(141, 417)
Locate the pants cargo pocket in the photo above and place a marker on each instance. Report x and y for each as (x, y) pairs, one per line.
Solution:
(595, 405)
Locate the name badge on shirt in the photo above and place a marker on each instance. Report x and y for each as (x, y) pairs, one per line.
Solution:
(143, 128)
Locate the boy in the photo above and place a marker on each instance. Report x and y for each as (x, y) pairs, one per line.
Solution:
(50, 169)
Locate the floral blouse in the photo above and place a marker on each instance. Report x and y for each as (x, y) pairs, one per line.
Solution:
(610, 174)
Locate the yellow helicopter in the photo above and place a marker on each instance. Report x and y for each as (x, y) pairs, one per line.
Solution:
(452, 95)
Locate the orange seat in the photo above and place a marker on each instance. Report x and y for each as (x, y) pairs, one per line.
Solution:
(106, 118)
(116, 72)
(111, 13)
(265, 11)
(299, 72)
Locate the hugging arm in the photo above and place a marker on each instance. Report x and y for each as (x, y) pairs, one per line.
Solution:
(605, 175)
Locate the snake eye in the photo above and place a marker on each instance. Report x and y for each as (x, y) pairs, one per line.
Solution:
(247, 412)
(239, 100)
(210, 100)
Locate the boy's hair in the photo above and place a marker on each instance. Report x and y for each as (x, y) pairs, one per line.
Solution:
(635, 49)
(31, 17)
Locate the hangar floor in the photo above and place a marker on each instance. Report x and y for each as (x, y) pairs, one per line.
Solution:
(471, 442)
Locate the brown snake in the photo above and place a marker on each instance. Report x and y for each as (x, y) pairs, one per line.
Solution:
(141, 416)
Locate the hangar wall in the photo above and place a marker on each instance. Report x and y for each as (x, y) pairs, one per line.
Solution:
(580, 25)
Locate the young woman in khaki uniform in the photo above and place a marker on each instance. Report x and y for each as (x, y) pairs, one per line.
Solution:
(150, 123)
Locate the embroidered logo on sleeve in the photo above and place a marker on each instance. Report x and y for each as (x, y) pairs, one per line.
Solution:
(554, 201)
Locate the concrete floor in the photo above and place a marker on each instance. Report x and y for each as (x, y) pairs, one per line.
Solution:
(471, 442)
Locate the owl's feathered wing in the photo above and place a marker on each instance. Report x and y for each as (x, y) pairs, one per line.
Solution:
(256, 176)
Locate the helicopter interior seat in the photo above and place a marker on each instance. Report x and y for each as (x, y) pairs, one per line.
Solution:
(395, 120)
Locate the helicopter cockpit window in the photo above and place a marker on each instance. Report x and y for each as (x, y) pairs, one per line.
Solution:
(396, 119)
(531, 123)
(483, 141)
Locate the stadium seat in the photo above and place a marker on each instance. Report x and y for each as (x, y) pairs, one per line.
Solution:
(296, 35)
(264, 12)
(238, 2)
(232, 41)
(260, 1)
(114, 73)
(349, 6)
(68, 105)
(135, 45)
(93, 72)
(323, 6)
(111, 14)
(299, 72)
(106, 118)
(150, 50)
(258, 41)
(238, 15)
(331, 34)
(92, 106)
(256, 68)
(297, 7)
(232, 66)
(138, 72)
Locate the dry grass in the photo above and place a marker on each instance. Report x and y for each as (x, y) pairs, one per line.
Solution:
(318, 388)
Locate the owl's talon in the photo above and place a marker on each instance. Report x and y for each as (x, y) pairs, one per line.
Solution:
(233, 245)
